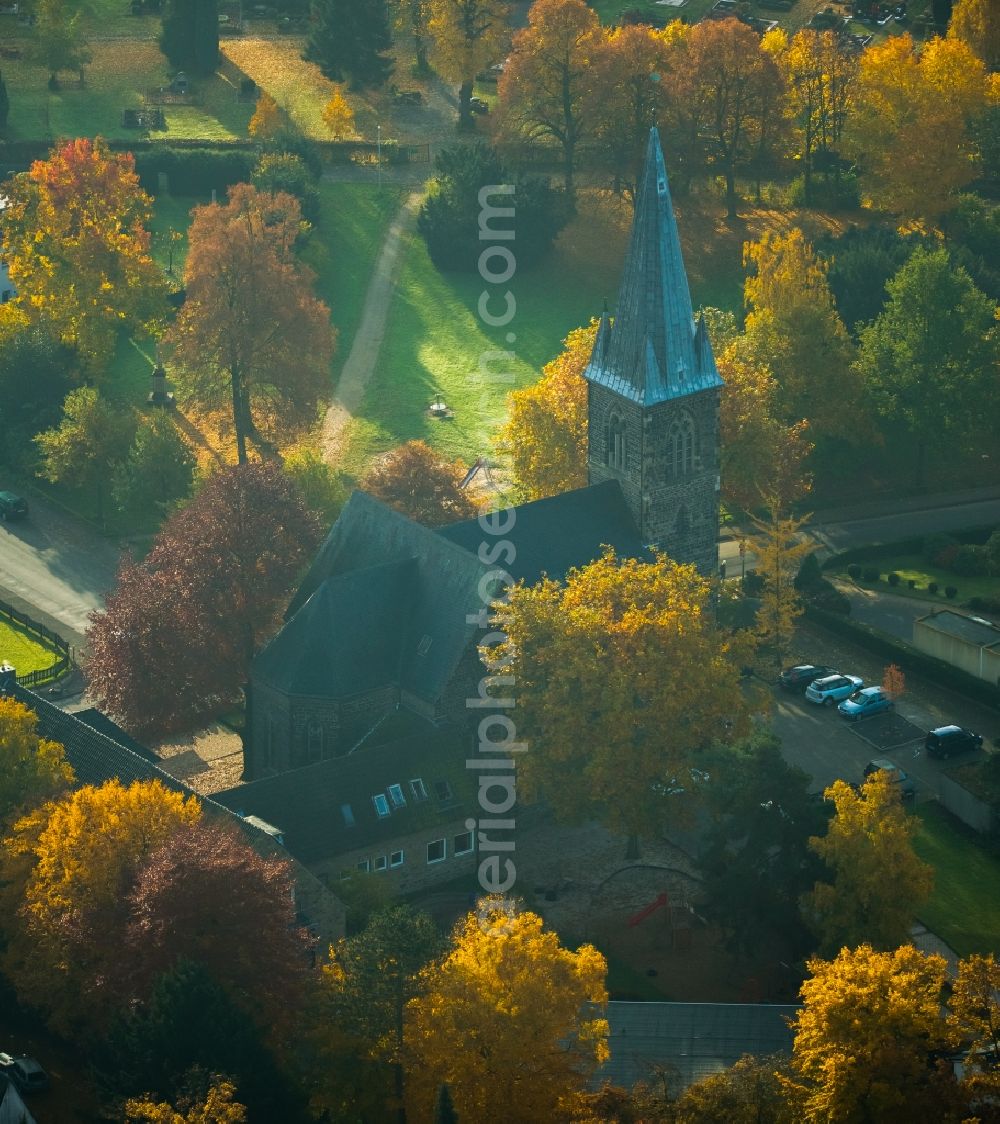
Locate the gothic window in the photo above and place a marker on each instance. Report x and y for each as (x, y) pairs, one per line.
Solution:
(680, 446)
(616, 441)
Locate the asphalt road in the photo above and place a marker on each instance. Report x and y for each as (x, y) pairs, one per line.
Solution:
(56, 565)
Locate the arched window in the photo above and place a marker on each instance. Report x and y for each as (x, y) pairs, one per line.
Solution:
(680, 446)
(616, 440)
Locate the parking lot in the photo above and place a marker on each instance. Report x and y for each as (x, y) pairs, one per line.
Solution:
(826, 746)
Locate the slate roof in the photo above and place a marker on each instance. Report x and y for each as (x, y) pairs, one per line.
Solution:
(654, 350)
(976, 632)
(433, 629)
(367, 605)
(305, 804)
(553, 535)
(694, 1040)
(99, 721)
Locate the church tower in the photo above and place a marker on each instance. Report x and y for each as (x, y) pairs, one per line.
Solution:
(653, 393)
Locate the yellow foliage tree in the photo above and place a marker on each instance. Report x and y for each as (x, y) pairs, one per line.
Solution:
(218, 1107)
(506, 1017)
(793, 327)
(623, 679)
(974, 1020)
(338, 115)
(878, 880)
(779, 550)
(32, 769)
(266, 120)
(467, 36)
(761, 456)
(545, 435)
(910, 126)
(83, 850)
(977, 23)
(865, 1035)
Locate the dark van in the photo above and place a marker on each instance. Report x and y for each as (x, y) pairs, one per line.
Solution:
(12, 507)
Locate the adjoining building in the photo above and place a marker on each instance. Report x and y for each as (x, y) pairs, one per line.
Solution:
(971, 643)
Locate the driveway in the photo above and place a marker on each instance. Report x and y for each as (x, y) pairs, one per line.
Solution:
(56, 568)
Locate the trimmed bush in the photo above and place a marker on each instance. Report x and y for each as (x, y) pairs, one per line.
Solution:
(911, 583)
(809, 573)
(893, 579)
(870, 574)
(854, 571)
(932, 587)
(950, 592)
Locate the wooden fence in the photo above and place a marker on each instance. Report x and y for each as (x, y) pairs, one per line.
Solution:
(45, 674)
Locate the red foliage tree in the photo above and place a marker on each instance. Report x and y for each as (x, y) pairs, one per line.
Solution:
(207, 896)
(416, 481)
(175, 641)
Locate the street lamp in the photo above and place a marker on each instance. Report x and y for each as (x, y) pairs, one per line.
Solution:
(378, 156)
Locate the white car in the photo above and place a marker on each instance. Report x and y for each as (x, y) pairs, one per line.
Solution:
(833, 688)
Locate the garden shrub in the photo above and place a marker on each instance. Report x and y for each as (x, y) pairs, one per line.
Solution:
(984, 604)
(933, 545)
(970, 561)
(932, 587)
(911, 583)
(753, 584)
(950, 592)
(854, 571)
(825, 595)
(285, 171)
(893, 579)
(870, 574)
(809, 573)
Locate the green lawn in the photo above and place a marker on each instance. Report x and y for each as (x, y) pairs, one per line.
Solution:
(610, 10)
(964, 909)
(24, 651)
(914, 567)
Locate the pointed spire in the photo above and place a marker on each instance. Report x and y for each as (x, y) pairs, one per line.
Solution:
(654, 351)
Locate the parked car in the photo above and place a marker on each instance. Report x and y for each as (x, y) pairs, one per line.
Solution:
(832, 688)
(799, 677)
(870, 700)
(12, 507)
(907, 789)
(946, 741)
(26, 1074)
(477, 105)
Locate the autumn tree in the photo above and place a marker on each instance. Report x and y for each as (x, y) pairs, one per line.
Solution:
(250, 328)
(176, 637)
(930, 358)
(819, 74)
(545, 434)
(197, 896)
(266, 119)
(630, 96)
(761, 456)
(32, 769)
(410, 18)
(977, 24)
(324, 489)
(189, 35)
(793, 327)
(466, 37)
(413, 479)
(974, 1022)
(280, 171)
(84, 850)
(547, 90)
(738, 86)
(865, 1036)
(158, 469)
(60, 43)
(749, 1092)
(910, 126)
(77, 245)
(506, 1008)
(218, 1107)
(779, 549)
(4, 105)
(893, 681)
(878, 882)
(90, 443)
(350, 38)
(359, 1028)
(36, 374)
(623, 681)
(338, 116)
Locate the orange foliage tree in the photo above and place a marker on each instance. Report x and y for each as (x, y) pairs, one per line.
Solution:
(413, 479)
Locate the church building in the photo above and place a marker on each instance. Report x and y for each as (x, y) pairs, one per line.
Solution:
(357, 719)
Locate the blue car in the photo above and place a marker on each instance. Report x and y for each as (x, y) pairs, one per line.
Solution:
(872, 700)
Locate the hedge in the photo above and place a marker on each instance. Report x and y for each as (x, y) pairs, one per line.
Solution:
(194, 171)
(910, 659)
(875, 551)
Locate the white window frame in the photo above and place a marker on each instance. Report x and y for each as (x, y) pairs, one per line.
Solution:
(465, 851)
(393, 861)
(364, 867)
(381, 801)
(444, 851)
(381, 863)
(418, 790)
(396, 797)
(348, 814)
